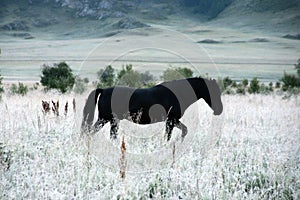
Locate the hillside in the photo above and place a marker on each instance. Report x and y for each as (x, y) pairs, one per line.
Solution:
(268, 15)
(64, 19)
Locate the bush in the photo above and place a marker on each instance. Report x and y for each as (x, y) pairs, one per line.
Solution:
(132, 78)
(177, 73)
(227, 82)
(271, 87)
(147, 78)
(106, 76)
(278, 84)
(20, 89)
(59, 76)
(234, 84)
(264, 89)
(86, 80)
(1, 87)
(289, 81)
(254, 86)
(80, 85)
(240, 89)
(129, 77)
(245, 82)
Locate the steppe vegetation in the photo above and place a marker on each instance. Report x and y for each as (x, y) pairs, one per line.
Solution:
(254, 154)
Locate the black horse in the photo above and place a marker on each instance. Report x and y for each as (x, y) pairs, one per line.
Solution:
(164, 102)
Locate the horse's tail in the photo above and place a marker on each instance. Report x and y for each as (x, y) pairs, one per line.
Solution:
(89, 110)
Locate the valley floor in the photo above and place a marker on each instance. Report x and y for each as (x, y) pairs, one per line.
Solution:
(218, 52)
(251, 151)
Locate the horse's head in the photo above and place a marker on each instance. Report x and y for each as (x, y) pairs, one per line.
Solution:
(214, 98)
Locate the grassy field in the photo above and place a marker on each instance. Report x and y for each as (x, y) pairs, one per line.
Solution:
(251, 151)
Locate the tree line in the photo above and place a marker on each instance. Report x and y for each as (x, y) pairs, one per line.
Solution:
(61, 77)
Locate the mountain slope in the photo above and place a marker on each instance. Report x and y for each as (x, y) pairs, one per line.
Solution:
(275, 16)
(95, 18)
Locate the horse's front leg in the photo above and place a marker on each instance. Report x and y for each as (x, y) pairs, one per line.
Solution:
(183, 128)
(169, 127)
(114, 127)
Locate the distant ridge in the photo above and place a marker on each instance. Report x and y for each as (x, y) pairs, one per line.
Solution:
(28, 19)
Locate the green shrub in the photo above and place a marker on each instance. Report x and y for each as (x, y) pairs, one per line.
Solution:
(13, 89)
(229, 91)
(147, 78)
(157, 189)
(80, 85)
(106, 77)
(227, 82)
(1, 87)
(240, 89)
(59, 76)
(132, 78)
(278, 84)
(129, 77)
(264, 89)
(254, 86)
(289, 81)
(36, 85)
(185, 72)
(177, 73)
(126, 77)
(21, 89)
(271, 87)
(245, 82)
(86, 80)
(234, 84)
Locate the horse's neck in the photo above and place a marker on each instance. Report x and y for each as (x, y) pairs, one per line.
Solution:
(201, 89)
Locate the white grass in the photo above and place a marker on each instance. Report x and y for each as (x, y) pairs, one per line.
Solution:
(252, 154)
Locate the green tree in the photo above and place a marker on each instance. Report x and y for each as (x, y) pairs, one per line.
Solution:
(177, 73)
(1, 87)
(271, 86)
(59, 76)
(289, 81)
(278, 84)
(147, 78)
(106, 76)
(254, 86)
(245, 82)
(185, 72)
(227, 82)
(129, 77)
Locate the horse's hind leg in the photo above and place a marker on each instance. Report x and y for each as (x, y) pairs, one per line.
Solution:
(99, 124)
(183, 128)
(114, 126)
(169, 128)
